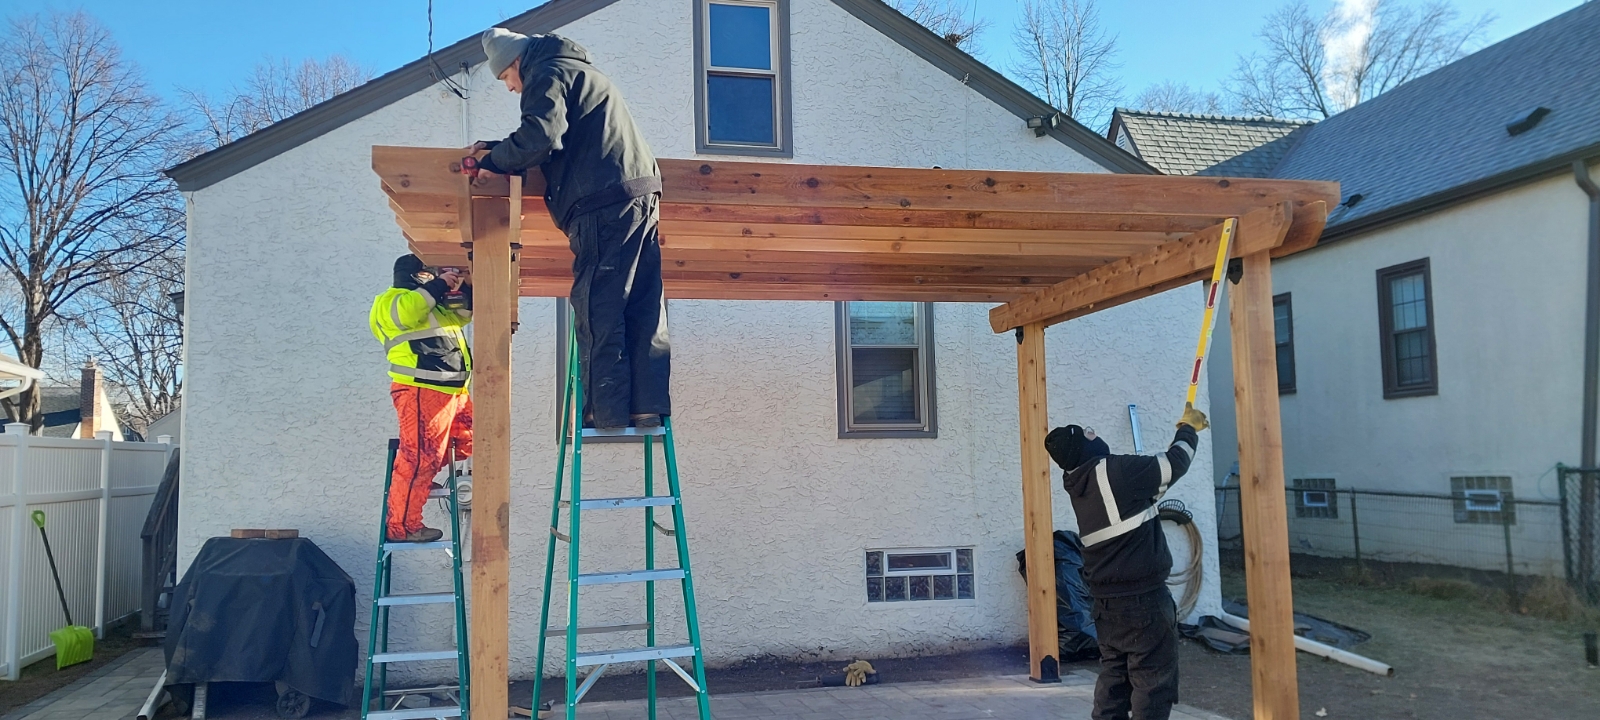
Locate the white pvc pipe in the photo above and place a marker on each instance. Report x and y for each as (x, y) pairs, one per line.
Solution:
(148, 710)
(1323, 650)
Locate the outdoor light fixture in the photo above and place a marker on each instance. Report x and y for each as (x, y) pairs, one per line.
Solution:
(1042, 124)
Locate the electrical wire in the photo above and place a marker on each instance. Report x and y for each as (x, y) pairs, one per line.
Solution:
(437, 72)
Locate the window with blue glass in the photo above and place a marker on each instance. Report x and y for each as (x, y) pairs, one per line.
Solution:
(742, 92)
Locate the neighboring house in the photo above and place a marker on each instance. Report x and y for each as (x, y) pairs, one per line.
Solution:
(1434, 341)
(77, 412)
(809, 433)
(169, 425)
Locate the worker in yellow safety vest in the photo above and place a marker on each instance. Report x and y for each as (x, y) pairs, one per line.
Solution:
(419, 321)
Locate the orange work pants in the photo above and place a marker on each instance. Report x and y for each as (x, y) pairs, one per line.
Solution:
(429, 421)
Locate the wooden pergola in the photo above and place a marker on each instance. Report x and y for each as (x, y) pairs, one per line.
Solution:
(1048, 246)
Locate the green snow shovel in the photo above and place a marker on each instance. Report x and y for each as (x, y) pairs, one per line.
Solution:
(74, 643)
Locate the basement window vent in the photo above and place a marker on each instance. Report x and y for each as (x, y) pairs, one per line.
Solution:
(1526, 121)
(1484, 500)
(925, 574)
(1314, 498)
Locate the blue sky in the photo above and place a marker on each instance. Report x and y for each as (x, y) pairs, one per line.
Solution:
(207, 44)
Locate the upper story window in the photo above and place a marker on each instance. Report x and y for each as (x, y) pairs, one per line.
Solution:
(1405, 319)
(886, 369)
(742, 88)
(1283, 336)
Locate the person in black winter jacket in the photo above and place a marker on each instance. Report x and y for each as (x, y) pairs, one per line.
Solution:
(1126, 563)
(602, 189)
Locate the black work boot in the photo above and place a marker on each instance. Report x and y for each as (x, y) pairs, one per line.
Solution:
(647, 421)
(424, 535)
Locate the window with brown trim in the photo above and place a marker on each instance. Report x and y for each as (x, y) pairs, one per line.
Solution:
(1283, 335)
(1405, 322)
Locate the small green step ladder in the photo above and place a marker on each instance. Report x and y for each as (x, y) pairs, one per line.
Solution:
(576, 504)
(379, 657)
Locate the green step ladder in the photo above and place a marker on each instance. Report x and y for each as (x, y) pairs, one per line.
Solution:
(576, 504)
(379, 657)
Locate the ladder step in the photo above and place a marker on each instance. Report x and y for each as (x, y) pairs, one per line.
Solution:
(416, 713)
(632, 576)
(440, 493)
(418, 599)
(398, 546)
(623, 502)
(413, 656)
(625, 432)
(606, 657)
(597, 630)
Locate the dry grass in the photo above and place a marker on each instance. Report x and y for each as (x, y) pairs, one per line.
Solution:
(1553, 599)
(1444, 588)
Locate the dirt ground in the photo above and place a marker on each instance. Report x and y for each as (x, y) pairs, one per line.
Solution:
(1453, 659)
(42, 677)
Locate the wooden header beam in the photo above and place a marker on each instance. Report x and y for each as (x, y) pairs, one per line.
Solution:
(1172, 264)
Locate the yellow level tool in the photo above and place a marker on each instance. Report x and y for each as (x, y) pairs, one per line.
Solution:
(1210, 320)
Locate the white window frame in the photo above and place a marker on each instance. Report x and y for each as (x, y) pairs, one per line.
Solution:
(954, 573)
(926, 396)
(783, 124)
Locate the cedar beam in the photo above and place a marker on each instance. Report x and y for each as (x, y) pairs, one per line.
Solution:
(1038, 521)
(492, 316)
(1260, 230)
(1263, 509)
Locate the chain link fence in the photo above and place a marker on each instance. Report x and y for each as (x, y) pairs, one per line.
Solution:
(1479, 532)
(1580, 526)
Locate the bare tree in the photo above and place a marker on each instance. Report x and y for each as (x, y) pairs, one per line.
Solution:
(1315, 66)
(83, 201)
(1176, 97)
(131, 327)
(955, 21)
(1067, 57)
(276, 90)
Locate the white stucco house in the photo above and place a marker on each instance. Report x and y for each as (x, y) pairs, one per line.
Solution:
(290, 237)
(1434, 341)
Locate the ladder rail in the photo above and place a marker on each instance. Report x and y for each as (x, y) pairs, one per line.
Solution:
(555, 516)
(463, 647)
(650, 564)
(574, 520)
(682, 538)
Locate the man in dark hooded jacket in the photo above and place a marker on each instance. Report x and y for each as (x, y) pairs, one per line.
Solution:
(603, 190)
(1126, 563)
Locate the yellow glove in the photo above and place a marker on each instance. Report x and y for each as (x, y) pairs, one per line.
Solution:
(856, 673)
(1193, 418)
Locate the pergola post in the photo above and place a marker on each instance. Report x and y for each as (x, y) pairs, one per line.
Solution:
(493, 309)
(1262, 505)
(1038, 521)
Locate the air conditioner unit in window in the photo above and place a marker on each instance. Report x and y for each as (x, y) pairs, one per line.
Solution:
(1482, 500)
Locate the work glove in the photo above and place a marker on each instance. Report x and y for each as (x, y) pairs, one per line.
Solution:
(855, 673)
(1193, 418)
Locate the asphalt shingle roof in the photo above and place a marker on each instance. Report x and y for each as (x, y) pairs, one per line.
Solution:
(1447, 129)
(1424, 142)
(1185, 144)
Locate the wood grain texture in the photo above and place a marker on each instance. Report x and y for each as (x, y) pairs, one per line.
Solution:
(1038, 519)
(1196, 254)
(1263, 509)
(491, 463)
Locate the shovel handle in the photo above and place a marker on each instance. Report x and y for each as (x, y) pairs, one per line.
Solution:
(38, 518)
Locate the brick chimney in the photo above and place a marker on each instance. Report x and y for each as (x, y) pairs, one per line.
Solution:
(89, 401)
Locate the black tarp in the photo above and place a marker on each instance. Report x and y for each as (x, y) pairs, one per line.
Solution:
(1074, 626)
(265, 611)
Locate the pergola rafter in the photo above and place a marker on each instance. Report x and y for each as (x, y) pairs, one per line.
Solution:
(1050, 246)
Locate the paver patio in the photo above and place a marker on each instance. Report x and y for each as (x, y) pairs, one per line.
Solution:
(116, 691)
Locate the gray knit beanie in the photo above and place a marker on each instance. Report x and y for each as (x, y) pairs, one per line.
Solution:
(503, 48)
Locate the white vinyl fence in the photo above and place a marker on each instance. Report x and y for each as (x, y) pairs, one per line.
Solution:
(95, 495)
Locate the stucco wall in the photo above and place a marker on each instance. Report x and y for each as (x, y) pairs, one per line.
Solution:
(1508, 286)
(287, 412)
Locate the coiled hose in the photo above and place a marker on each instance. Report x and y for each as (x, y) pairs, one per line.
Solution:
(1189, 574)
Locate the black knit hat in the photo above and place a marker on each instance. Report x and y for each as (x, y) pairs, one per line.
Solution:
(1071, 447)
(406, 268)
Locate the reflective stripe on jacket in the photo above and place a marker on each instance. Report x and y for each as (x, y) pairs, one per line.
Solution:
(425, 345)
